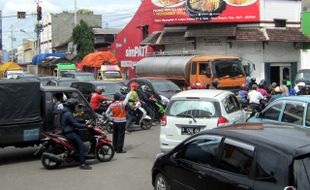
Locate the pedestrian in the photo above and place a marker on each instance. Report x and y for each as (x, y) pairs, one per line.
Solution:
(117, 111)
(291, 90)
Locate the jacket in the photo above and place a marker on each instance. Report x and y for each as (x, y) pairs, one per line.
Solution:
(68, 122)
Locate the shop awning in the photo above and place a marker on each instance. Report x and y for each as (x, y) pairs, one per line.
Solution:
(251, 34)
(211, 32)
(287, 35)
(173, 37)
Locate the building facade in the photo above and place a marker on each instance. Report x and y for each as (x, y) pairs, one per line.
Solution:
(26, 51)
(57, 30)
(266, 32)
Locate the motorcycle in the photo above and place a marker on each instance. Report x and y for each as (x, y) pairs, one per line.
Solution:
(57, 149)
(103, 122)
(140, 117)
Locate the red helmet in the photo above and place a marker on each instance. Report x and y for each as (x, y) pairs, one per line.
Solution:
(134, 85)
(201, 86)
(193, 86)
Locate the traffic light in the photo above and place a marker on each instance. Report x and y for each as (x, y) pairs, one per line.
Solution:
(39, 13)
(21, 15)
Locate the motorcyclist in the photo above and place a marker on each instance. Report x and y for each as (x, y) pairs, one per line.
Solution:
(132, 97)
(96, 100)
(254, 98)
(124, 91)
(243, 94)
(69, 125)
(147, 97)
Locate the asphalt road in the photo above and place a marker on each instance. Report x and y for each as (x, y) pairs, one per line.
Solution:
(129, 171)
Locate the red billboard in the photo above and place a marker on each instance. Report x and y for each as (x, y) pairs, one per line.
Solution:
(201, 11)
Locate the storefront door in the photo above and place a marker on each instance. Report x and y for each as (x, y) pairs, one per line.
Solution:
(277, 72)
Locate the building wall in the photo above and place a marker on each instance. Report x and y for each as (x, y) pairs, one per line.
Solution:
(58, 28)
(274, 9)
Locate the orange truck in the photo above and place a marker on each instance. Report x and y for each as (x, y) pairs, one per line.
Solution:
(230, 71)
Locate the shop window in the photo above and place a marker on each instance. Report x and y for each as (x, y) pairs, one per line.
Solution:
(280, 22)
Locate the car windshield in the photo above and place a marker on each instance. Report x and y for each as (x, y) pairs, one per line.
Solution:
(111, 88)
(303, 76)
(195, 108)
(302, 173)
(84, 77)
(228, 67)
(165, 86)
(112, 75)
(65, 83)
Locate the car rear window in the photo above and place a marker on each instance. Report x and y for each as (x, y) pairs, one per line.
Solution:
(196, 108)
(165, 86)
(302, 173)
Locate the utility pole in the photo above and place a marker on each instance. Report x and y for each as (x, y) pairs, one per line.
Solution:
(12, 44)
(0, 36)
(39, 27)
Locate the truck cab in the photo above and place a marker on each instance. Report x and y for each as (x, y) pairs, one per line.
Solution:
(109, 72)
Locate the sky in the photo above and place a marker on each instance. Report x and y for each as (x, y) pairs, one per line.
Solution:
(115, 14)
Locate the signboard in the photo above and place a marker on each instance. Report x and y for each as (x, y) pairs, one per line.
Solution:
(200, 11)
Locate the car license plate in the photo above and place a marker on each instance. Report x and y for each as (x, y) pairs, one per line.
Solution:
(189, 130)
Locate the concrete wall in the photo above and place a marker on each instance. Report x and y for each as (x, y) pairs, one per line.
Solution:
(280, 9)
(58, 28)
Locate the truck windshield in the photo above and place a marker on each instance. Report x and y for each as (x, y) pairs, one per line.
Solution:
(84, 77)
(302, 173)
(112, 75)
(227, 67)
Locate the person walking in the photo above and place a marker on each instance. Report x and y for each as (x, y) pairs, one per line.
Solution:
(117, 111)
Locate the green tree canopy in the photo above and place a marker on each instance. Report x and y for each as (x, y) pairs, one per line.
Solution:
(84, 39)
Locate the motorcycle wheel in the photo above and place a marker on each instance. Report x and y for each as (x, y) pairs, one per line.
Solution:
(105, 152)
(146, 124)
(48, 163)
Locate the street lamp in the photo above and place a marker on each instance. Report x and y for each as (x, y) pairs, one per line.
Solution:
(22, 30)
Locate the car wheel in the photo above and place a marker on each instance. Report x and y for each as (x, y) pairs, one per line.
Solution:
(161, 182)
(105, 152)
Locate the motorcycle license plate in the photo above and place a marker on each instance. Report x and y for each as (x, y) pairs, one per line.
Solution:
(189, 130)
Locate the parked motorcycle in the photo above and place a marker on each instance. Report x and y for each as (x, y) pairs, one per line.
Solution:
(57, 149)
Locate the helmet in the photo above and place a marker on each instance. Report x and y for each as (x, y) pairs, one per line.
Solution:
(301, 84)
(124, 90)
(262, 83)
(99, 89)
(278, 90)
(253, 79)
(134, 85)
(117, 96)
(243, 86)
(193, 86)
(71, 103)
(200, 86)
(145, 88)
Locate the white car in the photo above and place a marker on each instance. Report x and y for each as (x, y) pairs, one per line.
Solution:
(192, 111)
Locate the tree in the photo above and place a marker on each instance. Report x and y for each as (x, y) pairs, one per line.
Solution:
(84, 38)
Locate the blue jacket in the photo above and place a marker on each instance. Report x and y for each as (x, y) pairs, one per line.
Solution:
(68, 122)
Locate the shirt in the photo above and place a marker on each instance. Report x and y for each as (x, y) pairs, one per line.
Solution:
(255, 97)
(95, 100)
(117, 111)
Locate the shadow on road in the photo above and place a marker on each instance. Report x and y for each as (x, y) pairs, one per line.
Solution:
(13, 155)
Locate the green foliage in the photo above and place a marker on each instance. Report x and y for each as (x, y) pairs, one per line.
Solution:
(84, 39)
(85, 12)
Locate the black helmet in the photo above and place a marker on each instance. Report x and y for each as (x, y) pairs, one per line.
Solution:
(99, 89)
(124, 90)
(117, 96)
(71, 103)
(145, 88)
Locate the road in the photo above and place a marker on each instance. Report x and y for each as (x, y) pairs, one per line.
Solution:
(129, 171)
